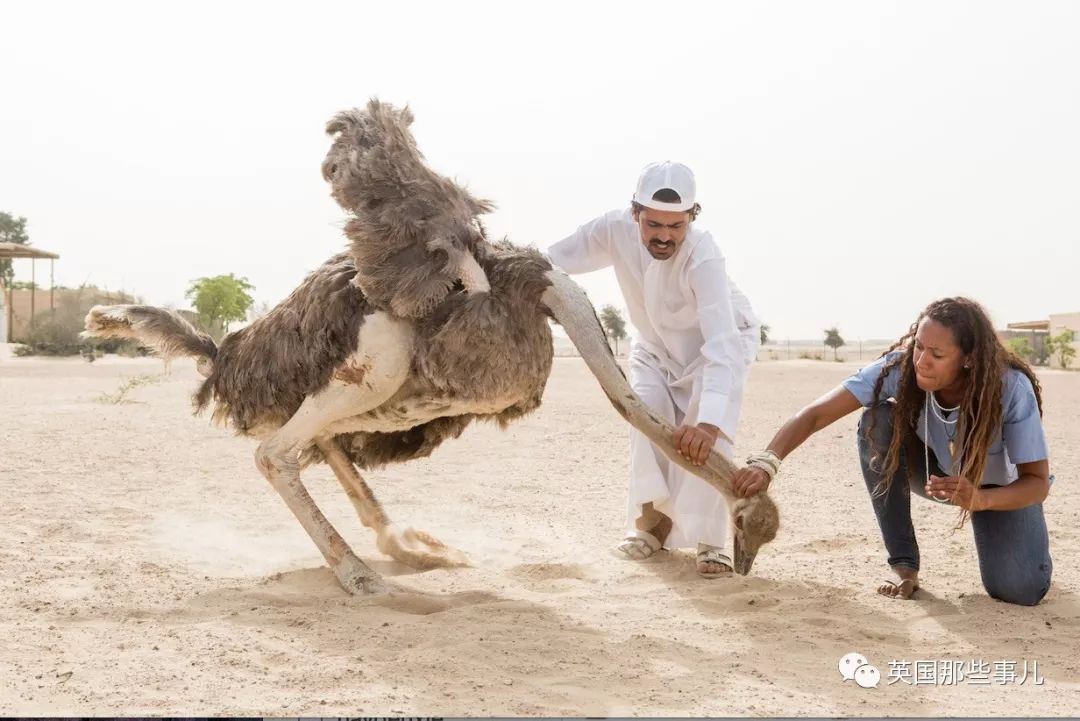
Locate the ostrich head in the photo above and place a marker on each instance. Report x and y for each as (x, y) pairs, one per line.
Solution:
(756, 521)
(376, 171)
(415, 234)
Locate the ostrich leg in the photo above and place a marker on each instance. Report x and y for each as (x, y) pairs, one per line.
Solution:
(409, 546)
(354, 575)
(384, 351)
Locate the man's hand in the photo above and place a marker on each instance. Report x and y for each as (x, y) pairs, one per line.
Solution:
(750, 481)
(694, 442)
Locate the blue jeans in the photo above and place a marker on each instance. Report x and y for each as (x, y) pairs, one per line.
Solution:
(1013, 546)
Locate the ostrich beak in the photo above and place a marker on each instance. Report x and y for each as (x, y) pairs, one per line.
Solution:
(468, 271)
(572, 309)
(743, 560)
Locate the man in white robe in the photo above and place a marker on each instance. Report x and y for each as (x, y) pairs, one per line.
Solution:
(696, 336)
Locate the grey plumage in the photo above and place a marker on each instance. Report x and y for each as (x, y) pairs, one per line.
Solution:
(487, 348)
(408, 221)
(163, 331)
(264, 371)
(476, 348)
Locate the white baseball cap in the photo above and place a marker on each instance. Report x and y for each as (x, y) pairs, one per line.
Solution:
(670, 176)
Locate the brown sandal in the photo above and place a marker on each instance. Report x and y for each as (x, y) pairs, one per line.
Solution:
(898, 584)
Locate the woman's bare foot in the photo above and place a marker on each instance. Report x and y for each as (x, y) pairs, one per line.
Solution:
(903, 588)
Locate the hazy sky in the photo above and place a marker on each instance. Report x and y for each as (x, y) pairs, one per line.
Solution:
(855, 160)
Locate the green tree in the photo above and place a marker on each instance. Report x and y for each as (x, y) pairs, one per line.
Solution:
(220, 300)
(613, 323)
(833, 340)
(1040, 352)
(765, 329)
(12, 230)
(1062, 346)
(1022, 347)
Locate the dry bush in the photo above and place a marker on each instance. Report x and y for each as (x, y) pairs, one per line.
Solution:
(56, 333)
(120, 394)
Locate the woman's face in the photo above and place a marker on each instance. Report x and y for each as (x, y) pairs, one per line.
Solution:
(939, 361)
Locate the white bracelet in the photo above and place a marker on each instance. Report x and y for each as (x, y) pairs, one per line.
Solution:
(769, 470)
(766, 461)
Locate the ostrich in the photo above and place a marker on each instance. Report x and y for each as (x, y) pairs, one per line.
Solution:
(398, 344)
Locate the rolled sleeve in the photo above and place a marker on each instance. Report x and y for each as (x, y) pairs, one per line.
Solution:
(861, 384)
(722, 348)
(1022, 429)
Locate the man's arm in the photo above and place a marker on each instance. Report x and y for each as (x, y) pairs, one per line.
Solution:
(724, 358)
(587, 249)
(746, 321)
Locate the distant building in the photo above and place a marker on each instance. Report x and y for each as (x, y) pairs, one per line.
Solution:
(1063, 321)
(1039, 330)
(10, 251)
(1036, 332)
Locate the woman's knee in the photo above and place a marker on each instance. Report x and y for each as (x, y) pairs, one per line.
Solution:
(1022, 590)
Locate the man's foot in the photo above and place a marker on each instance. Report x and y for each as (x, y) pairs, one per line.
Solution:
(904, 587)
(712, 562)
(638, 546)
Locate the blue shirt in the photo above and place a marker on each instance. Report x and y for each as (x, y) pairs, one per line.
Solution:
(1020, 439)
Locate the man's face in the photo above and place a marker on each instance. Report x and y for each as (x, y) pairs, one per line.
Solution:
(663, 231)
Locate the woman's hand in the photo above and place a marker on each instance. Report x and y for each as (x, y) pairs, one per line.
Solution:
(956, 490)
(750, 481)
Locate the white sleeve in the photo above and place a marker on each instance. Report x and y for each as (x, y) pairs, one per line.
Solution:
(723, 348)
(587, 249)
(746, 321)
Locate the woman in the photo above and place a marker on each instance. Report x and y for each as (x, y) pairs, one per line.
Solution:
(956, 417)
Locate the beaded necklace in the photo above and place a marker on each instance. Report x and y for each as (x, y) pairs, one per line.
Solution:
(938, 411)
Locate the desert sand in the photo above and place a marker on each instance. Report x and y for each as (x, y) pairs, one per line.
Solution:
(146, 568)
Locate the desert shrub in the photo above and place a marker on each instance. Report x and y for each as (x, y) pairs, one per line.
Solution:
(56, 333)
(1062, 347)
(120, 394)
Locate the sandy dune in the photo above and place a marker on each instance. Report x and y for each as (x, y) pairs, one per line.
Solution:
(147, 569)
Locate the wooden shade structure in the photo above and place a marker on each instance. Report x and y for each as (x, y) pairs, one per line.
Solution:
(15, 250)
(1031, 325)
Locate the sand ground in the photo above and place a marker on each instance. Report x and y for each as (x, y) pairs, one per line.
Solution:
(147, 569)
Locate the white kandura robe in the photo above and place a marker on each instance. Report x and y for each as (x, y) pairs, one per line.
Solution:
(695, 338)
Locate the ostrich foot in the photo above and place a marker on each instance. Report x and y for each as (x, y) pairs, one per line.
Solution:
(356, 578)
(418, 549)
